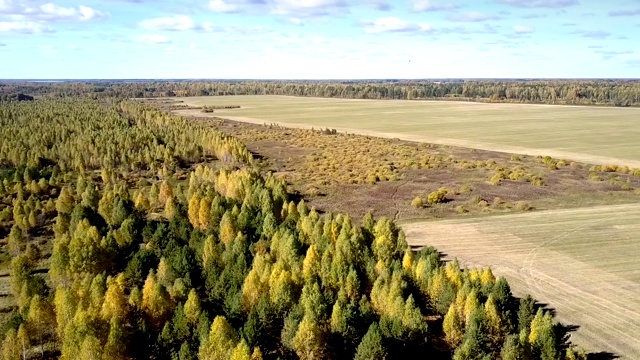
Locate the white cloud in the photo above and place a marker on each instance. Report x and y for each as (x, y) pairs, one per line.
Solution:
(430, 5)
(301, 8)
(50, 11)
(153, 39)
(220, 6)
(541, 3)
(173, 23)
(523, 29)
(25, 27)
(394, 24)
(6, 5)
(473, 16)
(295, 21)
(635, 12)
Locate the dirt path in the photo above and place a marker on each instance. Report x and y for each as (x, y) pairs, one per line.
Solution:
(568, 271)
(580, 157)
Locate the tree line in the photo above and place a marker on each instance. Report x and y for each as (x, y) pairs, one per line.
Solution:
(574, 92)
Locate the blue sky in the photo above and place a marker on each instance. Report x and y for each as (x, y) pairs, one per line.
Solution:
(319, 39)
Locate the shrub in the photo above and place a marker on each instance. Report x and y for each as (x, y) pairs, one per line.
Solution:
(515, 157)
(523, 206)
(537, 181)
(495, 179)
(595, 177)
(465, 189)
(516, 175)
(436, 197)
(417, 202)
(460, 209)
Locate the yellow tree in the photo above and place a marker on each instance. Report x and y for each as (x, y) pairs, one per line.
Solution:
(65, 201)
(40, 319)
(204, 213)
(141, 202)
(495, 320)
(221, 341)
(65, 308)
(156, 301)
(453, 327)
(311, 263)
(192, 307)
(241, 351)
(170, 208)
(194, 210)
(166, 191)
(11, 349)
(90, 349)
(308, 342)
(228, 229)
(115, 302)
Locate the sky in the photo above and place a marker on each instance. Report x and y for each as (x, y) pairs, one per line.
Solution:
(319, 39)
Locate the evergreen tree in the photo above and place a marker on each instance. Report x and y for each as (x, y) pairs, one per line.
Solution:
(372, 345)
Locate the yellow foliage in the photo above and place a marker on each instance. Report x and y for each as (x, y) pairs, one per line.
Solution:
(453, 327)
(487, 277)
(407, 260)
(194, 210)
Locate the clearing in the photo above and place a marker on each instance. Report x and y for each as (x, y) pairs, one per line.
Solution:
(596, 135)
(582, 262)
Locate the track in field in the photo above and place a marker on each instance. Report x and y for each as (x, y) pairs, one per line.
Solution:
(582, 262)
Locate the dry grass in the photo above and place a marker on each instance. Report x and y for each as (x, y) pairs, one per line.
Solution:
(582, 262)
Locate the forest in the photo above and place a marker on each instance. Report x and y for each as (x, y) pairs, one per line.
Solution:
(573, 92)
(130, 233)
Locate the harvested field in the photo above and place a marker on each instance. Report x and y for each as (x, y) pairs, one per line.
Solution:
(598, 135)
(582, 262)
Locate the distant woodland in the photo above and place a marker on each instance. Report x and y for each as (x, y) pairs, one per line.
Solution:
(575, 92)
(129, 233)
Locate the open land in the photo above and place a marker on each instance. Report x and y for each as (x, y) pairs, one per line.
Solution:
(582, 262)
(597, 135)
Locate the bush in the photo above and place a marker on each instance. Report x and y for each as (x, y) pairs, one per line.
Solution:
(417, 202)
(436, 197)
(537, 181)
(465, 189)
(460, 209)
(595, 177)
(523, 206)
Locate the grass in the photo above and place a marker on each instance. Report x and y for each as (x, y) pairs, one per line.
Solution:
(583, 262)
(588, 134)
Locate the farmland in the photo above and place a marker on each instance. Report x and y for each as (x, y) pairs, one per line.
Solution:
(582, 262)
(596, 135)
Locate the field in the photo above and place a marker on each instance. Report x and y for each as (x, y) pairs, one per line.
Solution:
(582, 262)
(578, 254)
(595, 135)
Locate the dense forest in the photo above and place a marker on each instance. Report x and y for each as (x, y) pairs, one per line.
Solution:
(133, 234)
(576, 92)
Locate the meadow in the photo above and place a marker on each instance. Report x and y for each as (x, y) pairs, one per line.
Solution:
(598, 135)
(582, 262)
